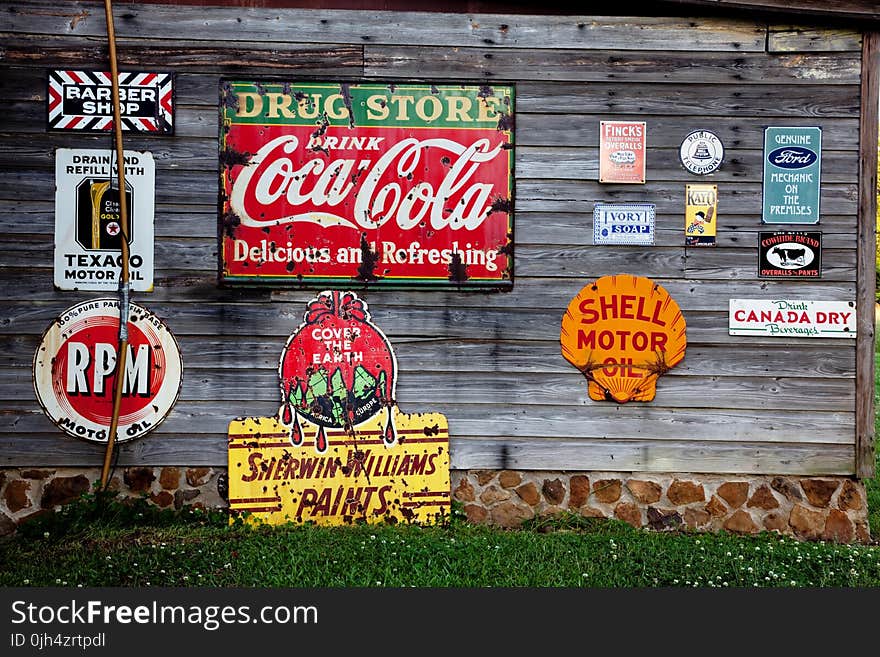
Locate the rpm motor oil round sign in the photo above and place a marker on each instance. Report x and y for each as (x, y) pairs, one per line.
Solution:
(74, 371)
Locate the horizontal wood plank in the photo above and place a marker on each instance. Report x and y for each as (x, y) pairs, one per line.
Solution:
(206, 355)
(467, 452)
(793, 38)
(442, 323)
(257, 25)
(620, 66)
(613, 421)
(612, 98)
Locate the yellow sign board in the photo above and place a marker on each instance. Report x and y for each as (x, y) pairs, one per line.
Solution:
(700, 215)
(623, 332)
(357, 478)
(339, 451)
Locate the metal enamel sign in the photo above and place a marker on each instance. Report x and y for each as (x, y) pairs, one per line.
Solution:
(74, 375)
(82, 101)
(701, 152)
(786, 254)
(793, 318)
(339, 450)
(631, 223)
(401, 184)
(88, 235)
(700, 215)
(792, 172)
(623, 332)
(622, 151)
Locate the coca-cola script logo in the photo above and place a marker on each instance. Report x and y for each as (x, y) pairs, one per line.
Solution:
(284, 176)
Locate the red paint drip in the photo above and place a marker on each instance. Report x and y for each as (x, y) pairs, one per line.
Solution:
(321, 440)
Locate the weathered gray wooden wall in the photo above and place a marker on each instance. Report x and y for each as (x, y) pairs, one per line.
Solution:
(490, 362)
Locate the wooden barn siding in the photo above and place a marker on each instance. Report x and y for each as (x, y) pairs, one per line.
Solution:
(490, 362)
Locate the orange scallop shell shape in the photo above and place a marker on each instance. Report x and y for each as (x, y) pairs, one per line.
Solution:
(623, 332)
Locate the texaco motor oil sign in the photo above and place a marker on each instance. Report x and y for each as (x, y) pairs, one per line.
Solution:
(88, 234)
(74, 371)
(339, 450)
(391, 184)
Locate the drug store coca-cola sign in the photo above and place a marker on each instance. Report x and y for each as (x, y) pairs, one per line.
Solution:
(397, 184)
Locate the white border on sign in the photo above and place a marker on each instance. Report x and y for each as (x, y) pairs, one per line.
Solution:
(645, 218)
(792, 318)
(51, 396)
(716, 152)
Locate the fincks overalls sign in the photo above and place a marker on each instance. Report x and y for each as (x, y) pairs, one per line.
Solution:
(389, 184)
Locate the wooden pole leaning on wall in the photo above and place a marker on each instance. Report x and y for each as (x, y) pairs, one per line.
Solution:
(866, 254)
(124, 275)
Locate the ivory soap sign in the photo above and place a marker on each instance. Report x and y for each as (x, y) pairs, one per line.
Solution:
(622, 151)
(793, 318)
(88, 232)
(623, 332)
(403, 184)
(339, 450)
(792, 172)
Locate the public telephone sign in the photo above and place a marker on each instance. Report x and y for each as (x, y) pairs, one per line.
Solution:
(792, 172)
(88, 231)
(398, 184)
(75, 378)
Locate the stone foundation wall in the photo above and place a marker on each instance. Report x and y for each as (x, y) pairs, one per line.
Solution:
(27, 492)
(815, 508)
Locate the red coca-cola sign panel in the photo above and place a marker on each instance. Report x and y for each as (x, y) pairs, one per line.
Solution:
(399, 184)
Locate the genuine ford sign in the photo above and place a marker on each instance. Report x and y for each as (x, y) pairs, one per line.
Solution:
(792, 157)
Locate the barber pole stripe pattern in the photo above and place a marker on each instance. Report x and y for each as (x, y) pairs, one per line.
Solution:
(161, 121)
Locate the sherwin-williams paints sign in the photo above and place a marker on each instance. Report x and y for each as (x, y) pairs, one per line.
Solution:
(792, 168)
(339, 450)
(623, 332)
(401, 184)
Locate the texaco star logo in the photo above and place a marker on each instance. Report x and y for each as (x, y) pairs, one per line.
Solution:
(113, 229)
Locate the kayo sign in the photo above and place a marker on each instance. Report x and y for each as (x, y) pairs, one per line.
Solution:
(395, 184)
(793, 319)
(74, 371)
(339, 450)
(623, 332)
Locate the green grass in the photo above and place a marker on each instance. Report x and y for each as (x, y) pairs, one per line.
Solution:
(111, 544)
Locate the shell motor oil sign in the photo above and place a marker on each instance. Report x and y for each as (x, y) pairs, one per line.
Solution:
(623, 332)
(392, 184)
(74, 371)
(339, 450)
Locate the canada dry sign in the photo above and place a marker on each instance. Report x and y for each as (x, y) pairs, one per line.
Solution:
(74, 371)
